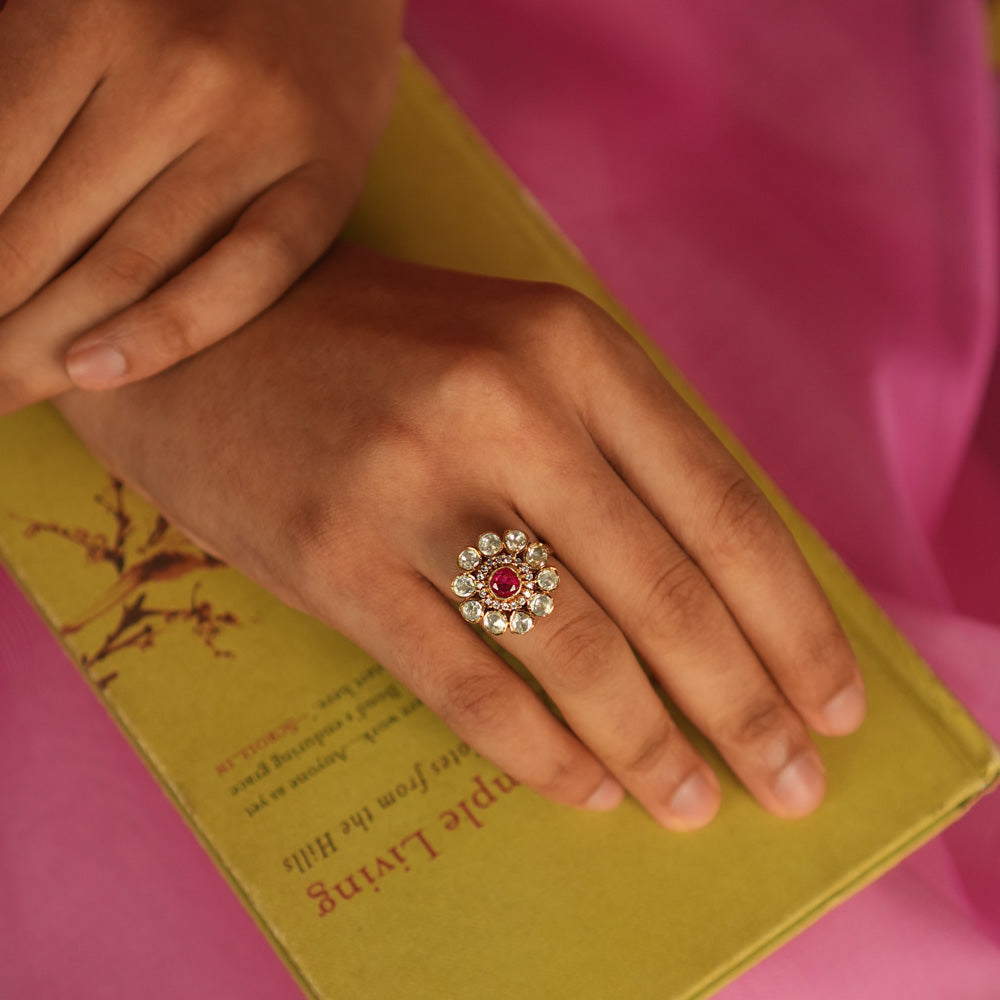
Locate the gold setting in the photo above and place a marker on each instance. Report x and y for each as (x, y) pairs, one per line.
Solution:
(517, 562)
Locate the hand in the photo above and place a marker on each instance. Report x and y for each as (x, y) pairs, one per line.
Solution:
(168, 168)
(345, 468)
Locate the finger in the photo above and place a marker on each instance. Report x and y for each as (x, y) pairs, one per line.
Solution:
(447, 666)
(170, 223)
(105, 158)
(585, 664)
(281, 235)
(37, 108)
(685, 476)
(679, 626)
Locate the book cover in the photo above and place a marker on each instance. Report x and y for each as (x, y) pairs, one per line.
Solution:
(372, 846)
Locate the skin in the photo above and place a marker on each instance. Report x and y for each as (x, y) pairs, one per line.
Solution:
(346, 466)
(169, 168)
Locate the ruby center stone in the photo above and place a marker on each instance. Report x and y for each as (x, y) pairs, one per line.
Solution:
(505, 583)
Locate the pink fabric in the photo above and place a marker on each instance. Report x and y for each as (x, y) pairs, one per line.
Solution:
(812, 182)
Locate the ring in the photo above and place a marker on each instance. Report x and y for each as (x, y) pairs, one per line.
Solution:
(504, 583)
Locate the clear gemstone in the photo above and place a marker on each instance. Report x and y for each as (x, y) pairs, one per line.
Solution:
(468, 558)
(541, 605)
(548, 579)
(489, 543)
(472, 611)
(515, 540)
(521, 622)
(464, 586)
(505, 583)
(494, 623)
(536, 554)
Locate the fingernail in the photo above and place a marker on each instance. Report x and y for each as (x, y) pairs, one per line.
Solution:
(800, 785)
(695, 802)
(95, 367)
(845, 711)
(609, 794)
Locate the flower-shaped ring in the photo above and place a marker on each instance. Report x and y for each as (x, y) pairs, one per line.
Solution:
(504, 583)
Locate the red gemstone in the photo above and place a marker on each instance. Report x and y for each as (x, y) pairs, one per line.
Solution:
(505, 583)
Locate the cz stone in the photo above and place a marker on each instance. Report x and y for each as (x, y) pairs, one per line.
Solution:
(521, 622)
(468, 558)
(541, 605)
(489, 543)
(495, 623)
(463, 586)
(548, 579)
(472, 611)
(536, 554)
(515, 540)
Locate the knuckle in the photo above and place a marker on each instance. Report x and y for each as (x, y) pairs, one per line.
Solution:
(283, 97)
(558, 307)
(476, 700)
(309, 529)
(15, 265)
(679, 600)
(577, 337)
(479, 375)
(477, 367)
(204, 64)
(205, 75)
(327, 547)
(209, 60)
(281, 252)
(164, 334)
(826, 664)
(744, 522)
(767, 720)
(828, 650)
(564, 326)
(583, 649)
(180, 211)
(397, 455)
(561, 781)
(127, 271)
(648, 755)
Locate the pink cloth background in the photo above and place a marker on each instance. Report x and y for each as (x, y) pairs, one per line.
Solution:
(812, 182)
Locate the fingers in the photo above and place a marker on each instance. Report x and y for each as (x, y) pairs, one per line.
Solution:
(166, 226)
(445, 664)
(694, 487)
(677, 623)
(105, 158)
(275, 240)
(33, 112)
(585, 664)
(186, 209)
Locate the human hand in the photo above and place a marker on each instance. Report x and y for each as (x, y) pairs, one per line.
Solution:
(168, 168)
(345, 467)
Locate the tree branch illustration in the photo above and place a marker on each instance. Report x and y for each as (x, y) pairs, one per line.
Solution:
(163, 555)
